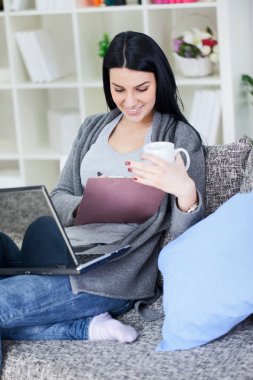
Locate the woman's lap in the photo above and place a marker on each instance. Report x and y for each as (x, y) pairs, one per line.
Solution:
(44, 307)
(38, 300)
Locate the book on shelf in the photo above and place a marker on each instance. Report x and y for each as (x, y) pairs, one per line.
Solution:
(47, 54)
(40, 55)
(205, 114)
(63, 125)
(20, 5)
(26, 54)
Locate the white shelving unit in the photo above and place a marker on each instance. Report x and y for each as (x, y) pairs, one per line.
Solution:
(26, 157)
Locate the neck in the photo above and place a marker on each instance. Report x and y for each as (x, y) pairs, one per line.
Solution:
(143, 124)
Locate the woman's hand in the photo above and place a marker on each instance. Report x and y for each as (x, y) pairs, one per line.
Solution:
(171, 178)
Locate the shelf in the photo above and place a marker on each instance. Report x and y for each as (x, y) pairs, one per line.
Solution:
(10, 178)
(212, 80)
(110, 9)
(42, 153)
(92, 84)
(180, 6)
(71, 83)
(74, 10)
(25, 151)
(35, 12)
(5, 77)
(67, 82)
(10, 174)
(8, 150)
(94, 100)
(44, 172)
(112, 23)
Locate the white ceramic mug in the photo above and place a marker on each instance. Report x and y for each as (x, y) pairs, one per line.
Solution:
(166, 151)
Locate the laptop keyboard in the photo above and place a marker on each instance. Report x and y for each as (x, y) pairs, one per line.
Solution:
(82, 248)
(83, 259)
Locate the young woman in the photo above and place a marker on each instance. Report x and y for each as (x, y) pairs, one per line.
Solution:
(142, 96)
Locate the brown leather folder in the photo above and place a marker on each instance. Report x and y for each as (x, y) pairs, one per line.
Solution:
(117, 200)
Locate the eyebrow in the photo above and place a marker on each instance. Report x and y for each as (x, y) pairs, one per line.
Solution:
(139, 85)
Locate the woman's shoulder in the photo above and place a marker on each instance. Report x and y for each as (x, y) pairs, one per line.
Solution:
(184, 134)
(186, 129)
(176, 126)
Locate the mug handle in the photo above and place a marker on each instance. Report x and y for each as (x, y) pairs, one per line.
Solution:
(188, 161)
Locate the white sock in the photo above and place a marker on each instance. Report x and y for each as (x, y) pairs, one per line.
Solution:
(104, 327)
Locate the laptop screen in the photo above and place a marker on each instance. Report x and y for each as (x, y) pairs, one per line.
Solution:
(33, 240)
(28, 219)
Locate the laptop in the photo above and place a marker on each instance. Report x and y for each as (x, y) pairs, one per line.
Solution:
(21, 208)
(120, 200)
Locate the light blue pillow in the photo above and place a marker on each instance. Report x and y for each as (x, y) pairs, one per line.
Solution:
(208, 276)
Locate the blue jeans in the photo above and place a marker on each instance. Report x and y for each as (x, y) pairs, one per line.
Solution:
(42, 245)
(44, 307)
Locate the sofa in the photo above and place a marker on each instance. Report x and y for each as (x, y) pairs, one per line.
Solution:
(229, 357)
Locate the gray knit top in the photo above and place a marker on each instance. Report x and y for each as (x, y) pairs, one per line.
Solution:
(134, 275)
(104, 158)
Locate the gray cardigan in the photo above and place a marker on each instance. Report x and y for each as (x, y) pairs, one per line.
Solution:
(134, 275)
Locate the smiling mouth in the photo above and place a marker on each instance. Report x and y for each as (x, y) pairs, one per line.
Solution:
(134, 110)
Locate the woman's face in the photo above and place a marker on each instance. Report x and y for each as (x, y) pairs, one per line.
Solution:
(134, 93)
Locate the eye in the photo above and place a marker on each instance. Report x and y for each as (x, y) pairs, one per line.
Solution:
(142, 89)
(118, 90)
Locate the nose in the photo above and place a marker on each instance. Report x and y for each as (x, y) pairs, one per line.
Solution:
(130, 100)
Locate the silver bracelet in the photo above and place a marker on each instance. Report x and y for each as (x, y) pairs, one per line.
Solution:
(193, 207)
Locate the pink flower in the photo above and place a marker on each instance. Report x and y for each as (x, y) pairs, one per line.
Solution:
(196, 43)
(176, 44)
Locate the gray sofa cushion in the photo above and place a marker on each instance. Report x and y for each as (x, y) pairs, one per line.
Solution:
(225, 171)
(227, 358)
(225, 167)
(247, 183)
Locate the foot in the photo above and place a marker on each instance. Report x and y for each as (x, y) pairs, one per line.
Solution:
(104, 327)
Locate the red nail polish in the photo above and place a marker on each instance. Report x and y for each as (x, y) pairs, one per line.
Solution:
(135, 178)
(130, 169)
(127, 162)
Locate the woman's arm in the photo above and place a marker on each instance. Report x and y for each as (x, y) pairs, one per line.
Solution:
(186, 188)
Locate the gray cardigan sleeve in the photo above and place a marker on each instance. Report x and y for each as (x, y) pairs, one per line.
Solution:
(67, 194)
(185, 137)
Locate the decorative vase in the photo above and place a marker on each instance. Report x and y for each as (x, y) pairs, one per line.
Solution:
(194, 67)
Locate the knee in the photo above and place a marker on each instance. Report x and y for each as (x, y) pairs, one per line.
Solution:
(43, 222)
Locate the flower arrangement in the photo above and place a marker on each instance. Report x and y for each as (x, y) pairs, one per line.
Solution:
(196, 43)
